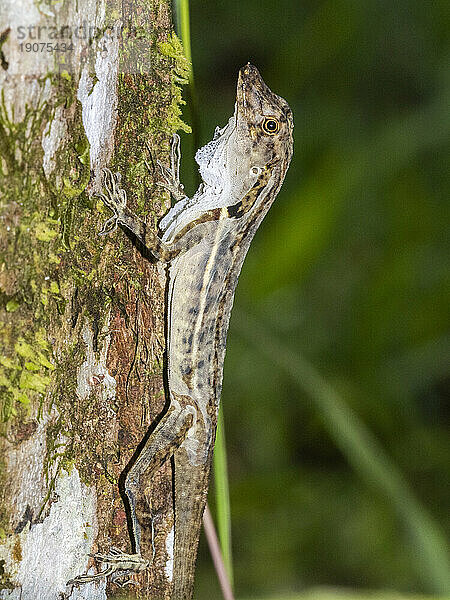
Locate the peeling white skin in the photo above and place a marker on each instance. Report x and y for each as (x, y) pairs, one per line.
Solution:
(55, 550)
(93, 372)
(215, 192)
(168, 567)
(99, 102)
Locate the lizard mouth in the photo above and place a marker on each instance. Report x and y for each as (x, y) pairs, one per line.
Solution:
(254, 98)
(251, 91)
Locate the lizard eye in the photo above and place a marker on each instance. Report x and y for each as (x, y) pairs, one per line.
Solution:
(271, 125)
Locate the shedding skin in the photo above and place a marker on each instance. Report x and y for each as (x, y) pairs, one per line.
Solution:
(203, 242)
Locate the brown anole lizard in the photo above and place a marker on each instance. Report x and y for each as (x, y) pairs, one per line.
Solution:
(202, 242)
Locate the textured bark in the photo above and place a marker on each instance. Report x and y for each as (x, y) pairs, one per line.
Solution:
(81, 329)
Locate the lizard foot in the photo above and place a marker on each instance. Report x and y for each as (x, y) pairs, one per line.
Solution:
(118, 565)
(115, 199)
(171, 176)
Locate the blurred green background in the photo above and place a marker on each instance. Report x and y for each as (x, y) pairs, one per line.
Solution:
(336, 377)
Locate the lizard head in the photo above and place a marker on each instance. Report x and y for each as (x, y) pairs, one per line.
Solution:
(244, 165)
(258, 136)
(263, 120)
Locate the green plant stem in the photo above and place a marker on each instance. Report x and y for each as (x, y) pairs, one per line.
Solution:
(223, 496)
(214, 547)
(182, 12)
(363, 451)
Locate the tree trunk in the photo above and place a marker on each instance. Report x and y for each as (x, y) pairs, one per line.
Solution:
(82, 334)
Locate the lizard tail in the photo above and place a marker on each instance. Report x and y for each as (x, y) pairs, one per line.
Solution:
(191, 490)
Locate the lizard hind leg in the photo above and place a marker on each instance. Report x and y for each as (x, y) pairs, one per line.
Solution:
(167, 437)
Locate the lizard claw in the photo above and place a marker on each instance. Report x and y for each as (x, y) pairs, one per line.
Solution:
(115, 199)
(119, 566)
(122, 580)
(109, 226)
(171, 175)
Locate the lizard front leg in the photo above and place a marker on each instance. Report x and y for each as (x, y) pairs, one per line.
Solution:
(115, 199)
(167, 437)
(171, 175)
